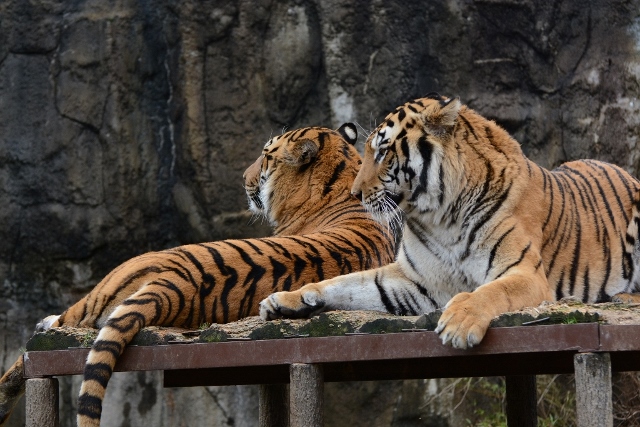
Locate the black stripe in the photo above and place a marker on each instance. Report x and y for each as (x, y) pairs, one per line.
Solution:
(89, 406)
(613, 189)
(139, 301)
(401, 308)
(441, 177)
(556, 229)
(602, 296)
(278, 270)
(575, 263)
(492, 255)
(585, 285)
(551, 205)
(113, 347)
(605, 202)
(586, 188)
(425, 292)
(559, 291)
(231, 280)
(468, 126)
(125, 284)
(132, 318)
(383, 295)
(627, 262)
(485, 218)
(181, 301)
(625, 179)
(564, 236)
(518, 261)
(98, 372)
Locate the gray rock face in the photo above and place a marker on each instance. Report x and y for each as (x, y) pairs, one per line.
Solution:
(125, 126)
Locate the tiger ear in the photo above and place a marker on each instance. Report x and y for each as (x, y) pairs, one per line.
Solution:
(442, 115)
(302, 152)
(349, 132)
(449, 111)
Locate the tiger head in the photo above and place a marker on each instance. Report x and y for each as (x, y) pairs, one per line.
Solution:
(303, 166)
(404, 158)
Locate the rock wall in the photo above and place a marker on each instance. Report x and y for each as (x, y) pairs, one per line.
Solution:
(125, 126)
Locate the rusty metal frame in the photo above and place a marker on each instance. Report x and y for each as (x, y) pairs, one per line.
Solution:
(525, 350)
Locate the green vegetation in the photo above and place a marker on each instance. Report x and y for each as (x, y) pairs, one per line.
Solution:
(485, 400)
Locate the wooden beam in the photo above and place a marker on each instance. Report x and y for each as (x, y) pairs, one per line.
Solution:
(306, 395)
(42, 402)
(594, 406)
(274, 405)
(522, 407)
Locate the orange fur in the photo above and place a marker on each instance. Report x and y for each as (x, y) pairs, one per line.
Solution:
(487, 231)
(301, 183)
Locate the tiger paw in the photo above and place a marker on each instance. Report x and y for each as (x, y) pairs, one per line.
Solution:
(294, 305)
(624, 298)
(463, 322)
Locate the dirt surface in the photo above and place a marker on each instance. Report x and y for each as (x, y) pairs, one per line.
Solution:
(336, 323)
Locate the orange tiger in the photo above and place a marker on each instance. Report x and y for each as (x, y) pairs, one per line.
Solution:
(301, 183)
(487, 231)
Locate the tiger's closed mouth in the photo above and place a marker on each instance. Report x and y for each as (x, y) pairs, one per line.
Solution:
(395, 198)
(255, 198)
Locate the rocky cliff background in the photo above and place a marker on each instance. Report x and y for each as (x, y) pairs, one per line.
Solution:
(125, 126)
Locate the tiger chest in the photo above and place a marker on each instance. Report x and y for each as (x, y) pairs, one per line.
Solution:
(439, 258)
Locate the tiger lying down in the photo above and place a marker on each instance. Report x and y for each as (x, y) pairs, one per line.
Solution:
(301, 183)
(487, 231)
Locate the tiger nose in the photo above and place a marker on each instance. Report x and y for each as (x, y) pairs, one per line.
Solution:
(357, 195)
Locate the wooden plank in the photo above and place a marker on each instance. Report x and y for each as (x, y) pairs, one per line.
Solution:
(274, 405)
(522, 402)
(396, 346)
(42, 402)
(594, 406)
(306, 395)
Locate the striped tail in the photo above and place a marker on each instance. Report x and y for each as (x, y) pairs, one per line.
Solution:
(136, 312)
(11, 388)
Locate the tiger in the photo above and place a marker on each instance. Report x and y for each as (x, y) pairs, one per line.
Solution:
(485, 230)
(301, 184)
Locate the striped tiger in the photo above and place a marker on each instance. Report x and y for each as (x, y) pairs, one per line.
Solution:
(486, 230)
(301, 184)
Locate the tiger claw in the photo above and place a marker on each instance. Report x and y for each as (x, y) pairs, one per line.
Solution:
(461, 325)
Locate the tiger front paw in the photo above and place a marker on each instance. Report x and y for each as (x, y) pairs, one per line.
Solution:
(293, 305)
(624, 298)
(463, 322)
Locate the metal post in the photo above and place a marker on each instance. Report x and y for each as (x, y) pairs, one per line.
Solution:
(42, 402)
(522, 408)
(306, 395)
(594, 407)
(274, 407)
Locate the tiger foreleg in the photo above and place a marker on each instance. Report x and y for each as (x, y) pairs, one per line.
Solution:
(344, 292)
(467, 315)
(377, 289)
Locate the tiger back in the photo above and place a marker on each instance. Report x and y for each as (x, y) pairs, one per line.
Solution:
(301, 185)
(487, 231)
